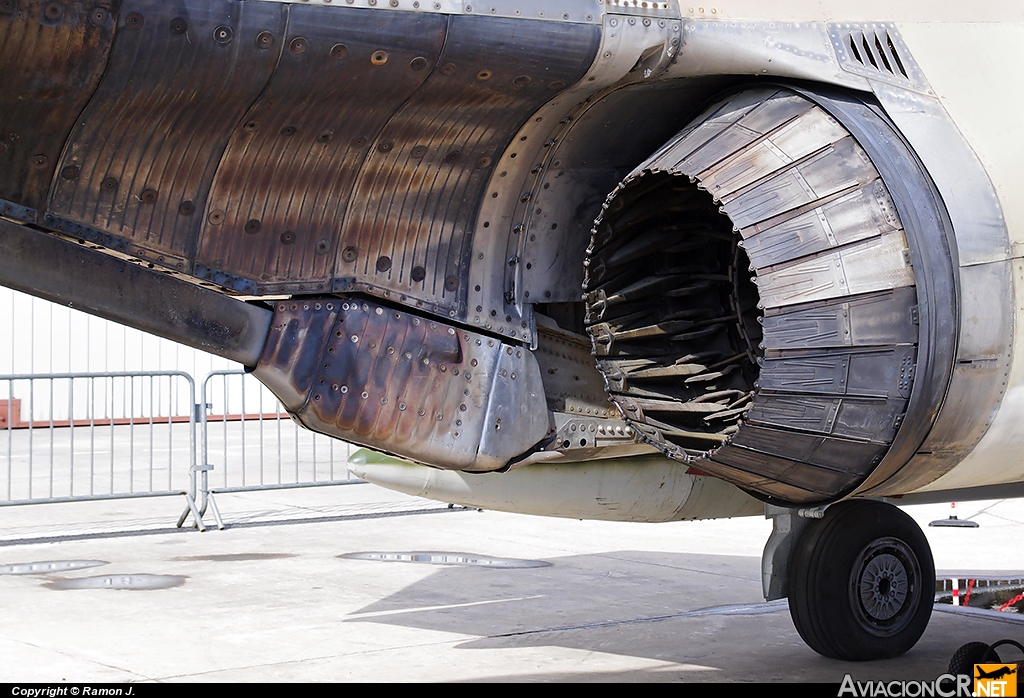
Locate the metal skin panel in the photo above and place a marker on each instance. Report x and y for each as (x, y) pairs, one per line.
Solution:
(827, 452)
(876, 319)
(848, 217)
(876, 374)
(404, 384)
(45, 47)
(421, 184)
(141, 159)
(862, 267)
(996, 458)
(286, 177)
(785, 470)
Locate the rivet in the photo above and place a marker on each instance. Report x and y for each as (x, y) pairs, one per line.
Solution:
(289, 131)
(384, 147)
(379, 57)
(483, 75)
(98, 16)
(186, 208)
(364, 395)
(383, 263)
(521, 81)
(70, 172)
(252, 226)
(322, 246)
(483, 162)
(109, 183)
(287, 237)
(349, 254)
(133, 21)
(297, 45)
(216, 217)
(179, 26)
(222, 34)
(264, 40)
(339, 51)
(149, 196)
(451, 283)
(37, 161)
(418, 274)
(344, 389)
(448, 69)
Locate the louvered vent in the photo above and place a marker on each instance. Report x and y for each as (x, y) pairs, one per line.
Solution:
(875, 50)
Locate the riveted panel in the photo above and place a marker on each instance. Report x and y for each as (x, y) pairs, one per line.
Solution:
(876, 319)
(394, 381)
(421, 184)
(141, 159)
(283, 188)
(53, 54)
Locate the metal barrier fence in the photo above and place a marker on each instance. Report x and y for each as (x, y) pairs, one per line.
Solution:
(250, 442)
(73, 436)
(80, 436)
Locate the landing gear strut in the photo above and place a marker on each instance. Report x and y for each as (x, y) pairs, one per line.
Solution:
(861, 582)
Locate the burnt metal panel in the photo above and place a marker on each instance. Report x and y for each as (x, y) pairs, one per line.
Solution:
(887, 373)
(283, 188)
(141, 159)
(825, 481)
(53, 54)
(889, 317)
(415, 201)
(875, 420)
(404, 384)
(825, 451)
(85, 279)
(763, 483)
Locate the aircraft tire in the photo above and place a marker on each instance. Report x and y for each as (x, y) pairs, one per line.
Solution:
(861, 582)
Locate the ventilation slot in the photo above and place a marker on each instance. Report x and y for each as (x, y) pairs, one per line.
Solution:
(876, 51)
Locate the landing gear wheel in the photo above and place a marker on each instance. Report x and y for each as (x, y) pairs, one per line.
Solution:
(861, 582)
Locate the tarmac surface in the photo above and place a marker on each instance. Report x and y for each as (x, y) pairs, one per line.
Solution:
(272, 598)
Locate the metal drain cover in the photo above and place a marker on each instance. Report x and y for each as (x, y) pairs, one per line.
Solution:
(50, 566)
(121, 581)
(447, 559)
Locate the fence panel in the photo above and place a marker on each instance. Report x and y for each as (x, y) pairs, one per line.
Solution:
(70, 436)
(252, 443)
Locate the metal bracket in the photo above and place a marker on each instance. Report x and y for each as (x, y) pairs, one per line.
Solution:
(787, 526)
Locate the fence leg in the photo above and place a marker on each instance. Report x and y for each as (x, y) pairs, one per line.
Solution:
(197, 519)
(190, 499)
(216, 511)
(206, 497)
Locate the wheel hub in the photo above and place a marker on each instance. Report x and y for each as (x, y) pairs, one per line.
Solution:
(884, 586)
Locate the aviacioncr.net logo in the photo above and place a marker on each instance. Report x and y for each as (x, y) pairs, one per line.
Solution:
(946, 686)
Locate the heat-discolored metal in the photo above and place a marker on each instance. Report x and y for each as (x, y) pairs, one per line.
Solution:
(160, 119)
(416, 201)
(52, 63)
(293, 164)
(405, 384)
